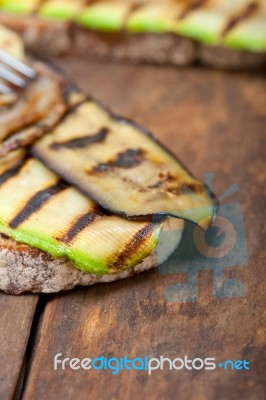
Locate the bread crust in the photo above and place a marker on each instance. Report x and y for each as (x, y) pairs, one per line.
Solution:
(26, 269)
(161, 49)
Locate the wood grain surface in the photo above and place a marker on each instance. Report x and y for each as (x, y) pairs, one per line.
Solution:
(16, 316)
(215, 122)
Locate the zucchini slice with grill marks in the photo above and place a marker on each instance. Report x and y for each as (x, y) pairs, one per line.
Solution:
(39, 209)
(123, 167)
(42, 104)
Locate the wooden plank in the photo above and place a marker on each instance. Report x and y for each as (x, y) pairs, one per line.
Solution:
(16, 315)
(215, 122)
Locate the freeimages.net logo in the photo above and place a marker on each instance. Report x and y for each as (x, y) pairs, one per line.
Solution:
(222, 246)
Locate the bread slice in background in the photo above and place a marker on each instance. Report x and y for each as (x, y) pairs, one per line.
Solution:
(151, 48)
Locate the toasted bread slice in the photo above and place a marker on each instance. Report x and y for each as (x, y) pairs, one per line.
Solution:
(27, 269)
(125, 46)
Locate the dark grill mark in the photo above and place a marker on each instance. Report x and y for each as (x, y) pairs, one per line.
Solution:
(119, 260)
(79, 225)
(244, 14)
(91, 2)
(164, 178)
(37, 7)
(191, 6)
(82, 141)
(191, 188)
(35, 203)
(135, 6)
(127, 159)
(11, 172)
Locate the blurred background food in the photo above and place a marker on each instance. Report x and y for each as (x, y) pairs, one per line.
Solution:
(215, 122)
(221, 33)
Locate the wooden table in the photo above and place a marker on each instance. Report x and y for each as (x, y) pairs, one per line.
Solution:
(216, 122)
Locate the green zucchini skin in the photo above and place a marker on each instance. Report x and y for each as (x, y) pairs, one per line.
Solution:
(39, 209)
(239, 25)
(19, 7)
(61, 10)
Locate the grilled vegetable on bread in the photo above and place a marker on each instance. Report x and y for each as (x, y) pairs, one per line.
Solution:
(43, 102)
(39, 209)
(54, 237)
(61, 9)
(32, 108)
(36, 110)
(122, 166)
(236, 24)
(20, 6)
(220, 33)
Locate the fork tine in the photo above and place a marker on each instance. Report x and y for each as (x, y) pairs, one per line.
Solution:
(11, 77)
(5, 89)
(17, 65)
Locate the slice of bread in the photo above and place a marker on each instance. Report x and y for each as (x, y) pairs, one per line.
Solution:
(26, 269)
(152, 48)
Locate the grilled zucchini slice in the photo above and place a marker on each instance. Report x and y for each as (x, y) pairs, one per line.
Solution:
(20, 6)
(105, 15)
(122, 167)
(39, 209)
(64, 10)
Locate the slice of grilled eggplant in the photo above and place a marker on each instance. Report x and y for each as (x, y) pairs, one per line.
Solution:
(39, 209)
(41, 105)
(38, 106)
(122, 166)
(31, 107)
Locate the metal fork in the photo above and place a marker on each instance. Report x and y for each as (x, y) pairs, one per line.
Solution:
(14, 72)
